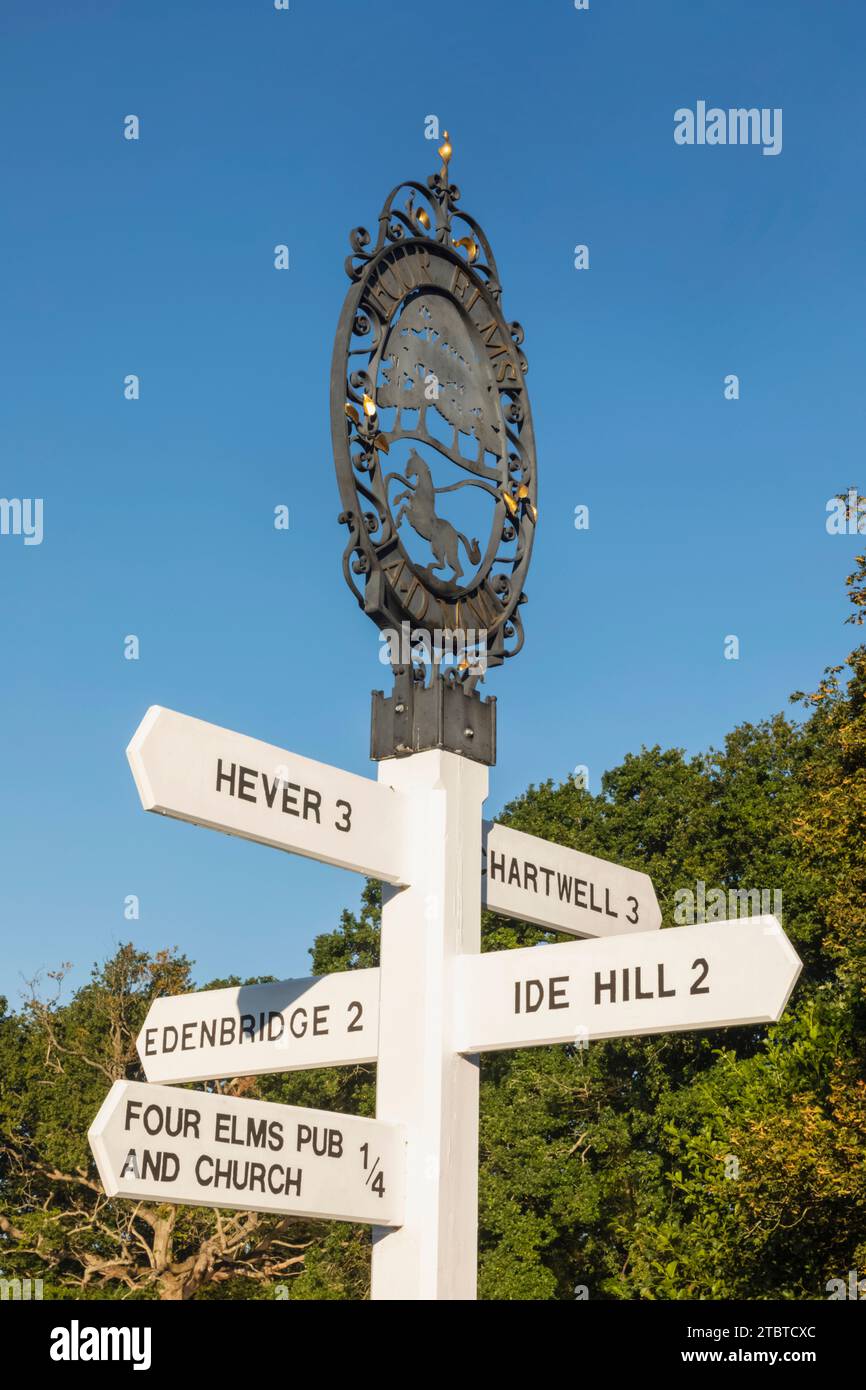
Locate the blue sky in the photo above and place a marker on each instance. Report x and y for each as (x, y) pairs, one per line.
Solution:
(155, 257)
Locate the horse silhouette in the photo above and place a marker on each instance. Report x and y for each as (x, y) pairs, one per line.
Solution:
(420, 509)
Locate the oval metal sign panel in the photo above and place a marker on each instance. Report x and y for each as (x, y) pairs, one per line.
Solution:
(431, 424)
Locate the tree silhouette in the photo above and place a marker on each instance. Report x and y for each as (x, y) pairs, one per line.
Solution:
(431, 338)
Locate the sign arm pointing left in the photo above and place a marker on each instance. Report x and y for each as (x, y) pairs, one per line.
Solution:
(198, 772)
(158, 1144)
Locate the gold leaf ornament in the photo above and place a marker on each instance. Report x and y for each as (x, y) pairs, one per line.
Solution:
(445, 152)
(469, 246)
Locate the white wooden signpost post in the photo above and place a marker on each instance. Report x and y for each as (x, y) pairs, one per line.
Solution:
(426, 292)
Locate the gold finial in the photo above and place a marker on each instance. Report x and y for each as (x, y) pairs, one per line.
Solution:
(445, 152)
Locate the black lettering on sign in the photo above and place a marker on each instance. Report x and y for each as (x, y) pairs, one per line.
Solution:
(530, 995)
(378, 1183)
(698, 986)
(323, 1141)
(601, 986)
(163, 1166)
(664, 993)
(346, 816)
(633, 915)
(533, 996)
(298, 1022)
(200, 1166)
(174, 1120)
(246, 783)
(355, 1024)
(320, 1020)
(225, 776)
(296, 800)
(557, 992)
(130, 1165)
(227, 1031)
(638, 992)
(257, 1133)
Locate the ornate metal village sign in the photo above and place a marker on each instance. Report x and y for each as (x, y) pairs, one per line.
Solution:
(435, 458)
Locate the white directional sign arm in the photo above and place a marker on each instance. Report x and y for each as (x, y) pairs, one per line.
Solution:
(158, 1144)
(534, 880)
(709, 976)
(330, 1020)
(198, 772)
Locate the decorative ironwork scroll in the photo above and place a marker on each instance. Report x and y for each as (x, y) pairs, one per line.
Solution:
(431, 424)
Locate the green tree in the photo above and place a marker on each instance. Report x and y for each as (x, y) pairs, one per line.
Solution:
(57, 1062)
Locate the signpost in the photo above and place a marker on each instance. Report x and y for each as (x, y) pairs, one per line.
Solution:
(564, 889)
(709, 976)
(329, 1021)
(428, 293)
(158, 1144)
